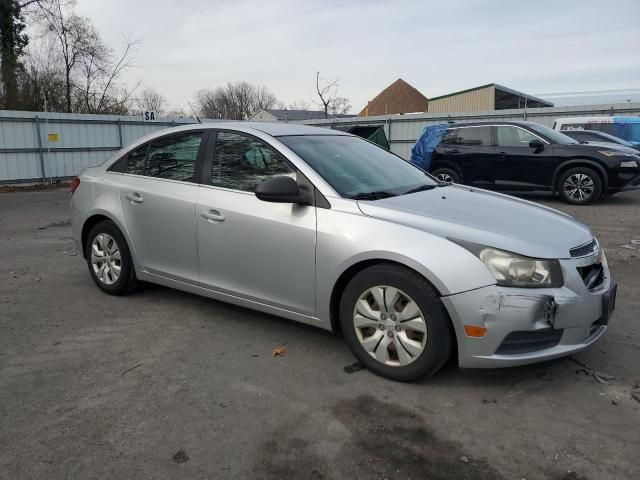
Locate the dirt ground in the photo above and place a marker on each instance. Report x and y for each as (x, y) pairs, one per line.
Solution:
(164, 384)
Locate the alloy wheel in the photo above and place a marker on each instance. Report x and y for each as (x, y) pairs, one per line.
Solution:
(390, 326)
(105, 259)
(444, 177)
(579, 187)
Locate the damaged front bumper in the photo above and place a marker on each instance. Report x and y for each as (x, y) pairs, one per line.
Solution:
(526, 325)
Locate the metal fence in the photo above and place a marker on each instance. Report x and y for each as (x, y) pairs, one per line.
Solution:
(40, 146)
(37, 146)
(403, 130)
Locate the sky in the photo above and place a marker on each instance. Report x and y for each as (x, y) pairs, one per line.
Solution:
(549, 48)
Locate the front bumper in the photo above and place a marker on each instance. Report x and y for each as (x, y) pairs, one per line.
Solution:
(526, 325)
(624, 180)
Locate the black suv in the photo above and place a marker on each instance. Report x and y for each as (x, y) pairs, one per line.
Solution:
(519, 156)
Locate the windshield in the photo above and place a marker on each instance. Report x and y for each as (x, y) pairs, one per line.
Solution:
(553, 136)
(358, 169)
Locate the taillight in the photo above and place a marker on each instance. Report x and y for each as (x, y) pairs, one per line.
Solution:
(75, 183)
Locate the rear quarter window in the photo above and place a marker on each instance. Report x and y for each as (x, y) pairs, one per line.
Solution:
(136, 159)
(119, 166)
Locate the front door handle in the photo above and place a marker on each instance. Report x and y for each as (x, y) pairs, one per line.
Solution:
(135, 198)
(213, 216)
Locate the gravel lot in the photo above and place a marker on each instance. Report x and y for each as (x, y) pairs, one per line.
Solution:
(163, 384)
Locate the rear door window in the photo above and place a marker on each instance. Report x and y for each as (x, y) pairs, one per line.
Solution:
(174, 157)
(474, 137)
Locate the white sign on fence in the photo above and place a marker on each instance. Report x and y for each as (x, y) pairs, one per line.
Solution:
(149, 116)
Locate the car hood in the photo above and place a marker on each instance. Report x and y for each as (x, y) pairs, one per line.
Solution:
(484, 217)
(611, 146)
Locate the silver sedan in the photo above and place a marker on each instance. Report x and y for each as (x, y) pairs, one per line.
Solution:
(328, 229)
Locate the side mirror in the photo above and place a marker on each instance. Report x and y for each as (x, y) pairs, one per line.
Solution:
(536, 144)
(283, 189)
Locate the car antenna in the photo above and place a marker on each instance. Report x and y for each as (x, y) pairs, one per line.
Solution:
(194, 112)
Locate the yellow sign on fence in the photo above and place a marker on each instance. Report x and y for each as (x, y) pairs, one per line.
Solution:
(52, 137)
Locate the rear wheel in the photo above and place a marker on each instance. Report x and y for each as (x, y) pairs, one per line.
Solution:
(109, 259)
(446, 175)
(580, 186)
(395, 323)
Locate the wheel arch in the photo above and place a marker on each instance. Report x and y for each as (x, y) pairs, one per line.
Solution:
(450, 165)
(350, 272)
(579, 162)
(92, 220)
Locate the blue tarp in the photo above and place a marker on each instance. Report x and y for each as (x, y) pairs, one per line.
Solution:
(425, 145)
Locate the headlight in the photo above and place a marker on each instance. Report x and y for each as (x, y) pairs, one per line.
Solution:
(616, 153)
(513, 270)
(629, 164)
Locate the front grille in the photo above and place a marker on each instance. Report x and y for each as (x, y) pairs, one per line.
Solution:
(529, 341)
(584, 250)
(592, 275)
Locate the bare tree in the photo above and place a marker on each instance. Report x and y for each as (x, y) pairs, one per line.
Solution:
(151, 100)
(327, 92)
(297, 105)
(72, 32)
(235, 101)
(41, 81)
(97, 89)
(264, 99)
(339, 106)
(178, 112)
(89, 67)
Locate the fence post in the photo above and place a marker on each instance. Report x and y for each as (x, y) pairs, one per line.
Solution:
(120, 132)
(40, 152)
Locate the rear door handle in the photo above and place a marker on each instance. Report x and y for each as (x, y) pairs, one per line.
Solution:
(135, 198)
(213, 216)
(454, 151)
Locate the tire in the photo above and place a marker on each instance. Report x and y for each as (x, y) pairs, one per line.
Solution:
(401, 286)
(109, 241)
(580, 186)
(446, 175)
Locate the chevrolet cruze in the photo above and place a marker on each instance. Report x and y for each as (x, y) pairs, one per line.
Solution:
(327, 229)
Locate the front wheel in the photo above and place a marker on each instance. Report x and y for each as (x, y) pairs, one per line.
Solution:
(580, 186)
(395, 323)
(446, 175)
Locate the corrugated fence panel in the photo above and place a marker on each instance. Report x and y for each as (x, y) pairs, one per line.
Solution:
(68, 164)
(67, 143)
(403, 130)
(18, 166)
(86, 140)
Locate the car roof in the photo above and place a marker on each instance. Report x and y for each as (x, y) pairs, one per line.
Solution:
(584, 130)
(275, 129)
(495, 122)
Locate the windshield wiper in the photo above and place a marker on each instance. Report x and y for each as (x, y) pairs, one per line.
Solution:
(422, 188)
(377, 195)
